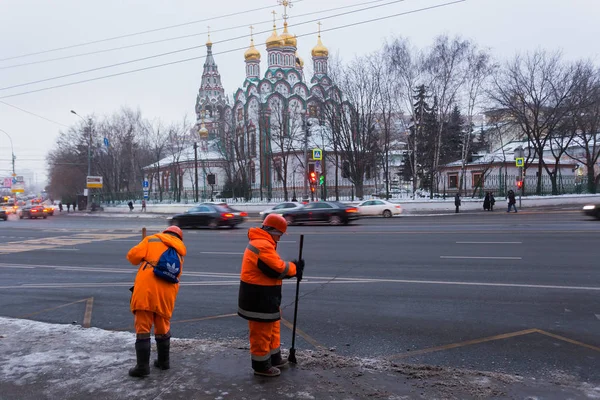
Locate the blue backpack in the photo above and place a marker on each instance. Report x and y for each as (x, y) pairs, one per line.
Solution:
(168, 266)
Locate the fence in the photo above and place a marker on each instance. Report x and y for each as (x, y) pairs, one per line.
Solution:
(497, 184)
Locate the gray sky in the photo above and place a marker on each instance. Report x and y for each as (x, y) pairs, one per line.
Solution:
(169, 93)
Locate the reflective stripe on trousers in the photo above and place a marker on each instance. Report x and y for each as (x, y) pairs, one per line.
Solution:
(265, 340)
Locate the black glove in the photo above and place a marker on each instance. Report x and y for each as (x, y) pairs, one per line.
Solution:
(299, 268)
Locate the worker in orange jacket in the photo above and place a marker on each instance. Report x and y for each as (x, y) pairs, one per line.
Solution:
(260, 293)
(153, 299)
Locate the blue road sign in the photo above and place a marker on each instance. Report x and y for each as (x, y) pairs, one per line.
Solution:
(145, 184)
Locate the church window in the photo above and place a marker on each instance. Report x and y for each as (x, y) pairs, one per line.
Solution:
(252, 172)
(253, 142)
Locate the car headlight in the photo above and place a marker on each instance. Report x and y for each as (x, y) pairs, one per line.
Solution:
(590, 207)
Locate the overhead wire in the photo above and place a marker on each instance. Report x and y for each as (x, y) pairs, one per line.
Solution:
(182, 37)
(193, 47)
(32, 113)
(232, 50)
(139, 33)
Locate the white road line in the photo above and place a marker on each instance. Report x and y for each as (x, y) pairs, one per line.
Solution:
(489, 242)
(221, 252)
(58, 249)
(482, 258)
(597, 316)
(287, 241)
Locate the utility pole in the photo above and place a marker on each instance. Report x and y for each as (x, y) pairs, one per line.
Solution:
(305, 126)
(196, 170)
(89, 168)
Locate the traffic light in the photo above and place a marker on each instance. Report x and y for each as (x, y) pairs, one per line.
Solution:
(519, 184)
(313, 178)
(321, 180)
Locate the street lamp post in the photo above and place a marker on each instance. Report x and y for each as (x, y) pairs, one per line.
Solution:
(89, 169)
(196, 170)
(12, 149)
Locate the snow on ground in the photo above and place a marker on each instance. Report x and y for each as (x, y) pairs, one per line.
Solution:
(40, 360)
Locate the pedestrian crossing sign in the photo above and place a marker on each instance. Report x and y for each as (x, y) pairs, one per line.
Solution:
(520, 161)
(317, 154)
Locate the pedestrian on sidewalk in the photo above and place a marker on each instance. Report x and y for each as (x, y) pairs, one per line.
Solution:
(512, 202)
(486, 202)
(144, 205)
(68, 207)
(130, 204)
(260, 293)
(74, 205)
(153, 298)
(60, 207)
(492, 201)
(457, 202)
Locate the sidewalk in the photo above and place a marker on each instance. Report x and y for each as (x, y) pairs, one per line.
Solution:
(49, 361)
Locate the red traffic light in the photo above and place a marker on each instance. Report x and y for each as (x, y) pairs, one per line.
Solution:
(313, 177)
(520, 184)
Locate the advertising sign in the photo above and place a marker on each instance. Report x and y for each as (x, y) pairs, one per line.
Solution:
(94, 182)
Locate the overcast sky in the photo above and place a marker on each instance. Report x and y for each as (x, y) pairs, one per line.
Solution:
(168, 93)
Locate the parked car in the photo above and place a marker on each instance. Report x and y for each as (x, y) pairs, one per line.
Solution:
(332, 212)
(592, 210)
(280, 208)
(33, 212)
(209, 214)
(379, 207)
(3, 215)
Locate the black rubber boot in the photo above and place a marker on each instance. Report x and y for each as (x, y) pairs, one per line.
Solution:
(162, 347)
(277, 361)
(142, 353)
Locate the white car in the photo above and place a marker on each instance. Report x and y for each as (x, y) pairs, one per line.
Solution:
(280, 208)
(379, 207)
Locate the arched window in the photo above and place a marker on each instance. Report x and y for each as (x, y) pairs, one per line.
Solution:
(251, 172)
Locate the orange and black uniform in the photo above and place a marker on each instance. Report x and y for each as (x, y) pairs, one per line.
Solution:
(260, 296)
(153, 299)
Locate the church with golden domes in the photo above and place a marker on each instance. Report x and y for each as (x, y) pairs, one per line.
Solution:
(267, 135)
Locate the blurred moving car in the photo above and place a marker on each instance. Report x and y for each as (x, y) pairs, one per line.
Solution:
(3, 215)
(332, 212)
(49, 209)
(209, 214)
(280, 208)
(32, 212)
(592, 210)
(379, 207)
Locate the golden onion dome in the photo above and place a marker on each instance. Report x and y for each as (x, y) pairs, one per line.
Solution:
(252, 53)
(274, 40)
(320, 50)
(288, 38)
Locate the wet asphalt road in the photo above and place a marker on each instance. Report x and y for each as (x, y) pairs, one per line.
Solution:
(516, 293)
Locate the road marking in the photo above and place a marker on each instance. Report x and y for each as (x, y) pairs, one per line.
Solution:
(489, 242)
(221, 252)
(482, 258)
(566, 339)
(52, 309)
(58, 249)
(462, 344)
(59, 241)
(186, 320)
(492, 338)
(87, 317)
(597, 316)
(303, 335)
(287, 241)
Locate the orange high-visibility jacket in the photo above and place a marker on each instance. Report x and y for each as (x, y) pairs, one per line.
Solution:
(262, 272)
(151, 293)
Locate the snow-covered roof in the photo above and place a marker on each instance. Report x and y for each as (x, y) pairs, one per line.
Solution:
(212, 153)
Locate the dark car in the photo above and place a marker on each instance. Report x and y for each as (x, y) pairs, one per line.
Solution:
(332, 212)
(33, 212)
(210, 215)
(593, 210)
(3, 214)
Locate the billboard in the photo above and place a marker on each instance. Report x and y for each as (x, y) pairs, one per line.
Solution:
(94, 182)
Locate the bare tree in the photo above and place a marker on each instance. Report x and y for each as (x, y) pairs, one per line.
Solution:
(406, 65)
(446, 64)
(156, 135)
(176, 143)
(535, 91)
(584, 121)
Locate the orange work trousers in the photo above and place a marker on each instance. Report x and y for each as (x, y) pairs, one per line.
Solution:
(144, 321)
(265, 340)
